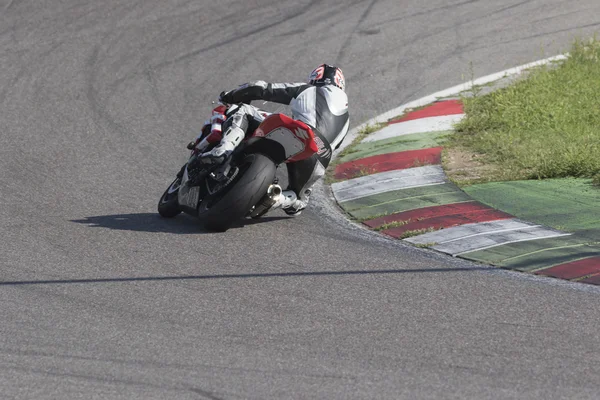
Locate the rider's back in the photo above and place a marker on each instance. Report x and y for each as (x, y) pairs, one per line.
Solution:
(325, 108)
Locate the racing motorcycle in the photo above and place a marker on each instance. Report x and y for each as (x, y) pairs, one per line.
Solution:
(244, 185)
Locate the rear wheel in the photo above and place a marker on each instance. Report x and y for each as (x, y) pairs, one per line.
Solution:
(168, 206)
(254, 176)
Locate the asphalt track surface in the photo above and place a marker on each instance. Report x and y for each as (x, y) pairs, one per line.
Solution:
(101, 299)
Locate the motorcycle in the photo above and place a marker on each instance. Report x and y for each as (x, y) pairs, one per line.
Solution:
(244, 185)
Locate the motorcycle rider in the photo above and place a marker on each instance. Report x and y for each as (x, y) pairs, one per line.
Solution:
(321, 103)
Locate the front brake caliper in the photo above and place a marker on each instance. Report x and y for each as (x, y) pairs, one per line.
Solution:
(221, 174)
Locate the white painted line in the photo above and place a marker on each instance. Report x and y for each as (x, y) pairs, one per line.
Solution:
(470, 230)
(481, 236)
(382, 182)
(446, 93)
(547, 234)
(429, 124)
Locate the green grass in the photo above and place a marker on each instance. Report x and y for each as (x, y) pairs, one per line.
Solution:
(544, 126)
(391, 225)
(425, 245)
(416, 232)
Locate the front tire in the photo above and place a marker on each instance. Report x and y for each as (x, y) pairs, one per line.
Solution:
(221, 210)
(168, 206)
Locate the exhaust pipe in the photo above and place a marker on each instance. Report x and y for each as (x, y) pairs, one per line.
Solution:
(274, 190)
(268, 200)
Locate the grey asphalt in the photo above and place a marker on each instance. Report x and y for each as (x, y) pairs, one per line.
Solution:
(101, 299)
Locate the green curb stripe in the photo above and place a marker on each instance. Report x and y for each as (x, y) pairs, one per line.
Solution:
(536, 254)
(409, 204)
(414, 141)
(404, 200)
(591, 235)
(552, 257)
(566, 204)
(401, 194)
(512, 251)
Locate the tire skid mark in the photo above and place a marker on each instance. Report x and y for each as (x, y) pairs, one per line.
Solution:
(341, 54)
(101, 116)
(455, 28)
(205, 394)
(244, 35)
(155, 67)
(109, 380)
(464, 49)
(426, 12)
(9, 4)
(517, 5)
(151, 78)
(561, 15)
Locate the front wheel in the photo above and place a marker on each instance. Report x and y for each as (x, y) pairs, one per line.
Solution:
(255, 174)
(168, 206)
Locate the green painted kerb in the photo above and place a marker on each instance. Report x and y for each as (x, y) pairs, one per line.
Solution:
(414, 141)
(404, 200)
(565, 204)
(536, 254)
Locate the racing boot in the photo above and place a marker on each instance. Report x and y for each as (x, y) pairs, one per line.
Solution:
(223, 150)
(290, 203)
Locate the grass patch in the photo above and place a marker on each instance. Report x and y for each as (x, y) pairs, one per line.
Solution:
(420, 163)
(370, 217)
(391, 225)
(363, 171)
(415, 232)
(544, 126)
(465, 167)
(425, 245)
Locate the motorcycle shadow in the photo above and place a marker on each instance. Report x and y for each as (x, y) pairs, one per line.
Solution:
(152, 222)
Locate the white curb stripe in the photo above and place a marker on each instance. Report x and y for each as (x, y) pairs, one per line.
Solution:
(523, 239)
(469, 230)
(481, 236)
(382, 182)
(429, 124)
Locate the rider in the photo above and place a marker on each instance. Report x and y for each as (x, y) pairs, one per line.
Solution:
(321, 103)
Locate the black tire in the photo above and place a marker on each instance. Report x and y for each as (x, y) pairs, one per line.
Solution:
(220, 211)
(168, 206)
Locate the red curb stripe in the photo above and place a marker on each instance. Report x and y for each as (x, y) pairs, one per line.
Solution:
(388, 162)
(465, 209)
(442, 108)
(438, 217)
(572, 270)
(594, 280)
(448, 222)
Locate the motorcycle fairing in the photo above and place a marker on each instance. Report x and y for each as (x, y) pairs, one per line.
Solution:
(188, 196)
(295, 137)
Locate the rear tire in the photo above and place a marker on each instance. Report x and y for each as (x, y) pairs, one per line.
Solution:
(220, 211)
(168, 206)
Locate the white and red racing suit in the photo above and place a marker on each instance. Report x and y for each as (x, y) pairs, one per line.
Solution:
(323, 108)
